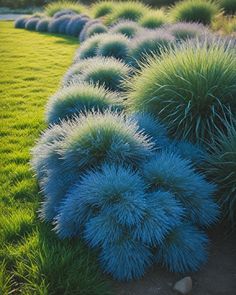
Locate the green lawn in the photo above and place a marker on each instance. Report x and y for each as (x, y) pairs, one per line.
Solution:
(32, 259)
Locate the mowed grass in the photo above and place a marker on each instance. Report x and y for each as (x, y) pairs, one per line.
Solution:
(32, 259)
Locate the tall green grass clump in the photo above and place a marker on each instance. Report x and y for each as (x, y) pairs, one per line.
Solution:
(188, 88)
(130, 10)
(221, 167)
(102, 8)
(202, 11)
(54, 7)
(229, 6)
(153, 19)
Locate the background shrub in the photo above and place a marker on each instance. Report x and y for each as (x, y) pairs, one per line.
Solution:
(125, 27)
(202, 11)
(153, 19)
(71, 101)
(200, 92)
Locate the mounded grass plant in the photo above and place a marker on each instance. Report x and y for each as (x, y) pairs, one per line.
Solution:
(31, 23)
(114, 45)
(55, 24)
(201, 11)
(150, 43)
(129, 10)
(185, 30)
(153, 19)
(93, 29)
(75, 25)
(20, 22)
(229, 6)
(42, 25)
(221, 167)
(52, 8)
(191, 102)
(64, 12)
(108, 72)
(88, 48)
(63, 24)
(102, 8)
(81, 98)
(128, 28)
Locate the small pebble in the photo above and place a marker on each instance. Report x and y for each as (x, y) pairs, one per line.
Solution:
(184, 286)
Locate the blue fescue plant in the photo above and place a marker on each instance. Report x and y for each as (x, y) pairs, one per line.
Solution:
(81, 98)
(83, 33)
(184, 249)
(20, 22)
(42, 25)
(96, 28)
(168, 171)
(74, 73)
(31, 23)
(201, 11)
(88, 48)
(58, 24)
(191, 102)
(150, 43)
(153, 19)
(63, 24)
(108, 72)
(128, 28)
(153, 128)
(64, 12)
(116, 45)
(186, 30)
(75, 25)
(221, 167)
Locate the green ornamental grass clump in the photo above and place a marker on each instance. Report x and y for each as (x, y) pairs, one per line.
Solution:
(52, 8)
(229, 6)
(153, 19)
(187, 88)
(221, 168)
(202, 11)
(102, 8)
(77, 99)
(130, 10)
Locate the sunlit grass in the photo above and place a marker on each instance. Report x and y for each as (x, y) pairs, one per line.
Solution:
(32, 259)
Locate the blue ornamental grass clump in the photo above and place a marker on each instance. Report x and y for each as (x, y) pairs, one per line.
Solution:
(83, 34)
(42, 25)
(20, 22)
(63, 13)
(31, 23)
(186, 30)
(106, 71)
(88, 48)
(192, 102)
(150, 43)
(93, 29)
(114, 45)
(63, 25)
(75, 25)
(199, 11)
(77, 99)
(128, 28)
(57, 23)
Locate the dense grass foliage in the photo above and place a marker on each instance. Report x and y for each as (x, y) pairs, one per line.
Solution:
(221, 168)
(191, 102)
(184, 30)
(32, 253)
(54, 7)
(153, 19)
(202, 11)
(126, 27)
(229, 6)
(102, 8)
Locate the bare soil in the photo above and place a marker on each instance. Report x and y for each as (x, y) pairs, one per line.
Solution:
(217, 277)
